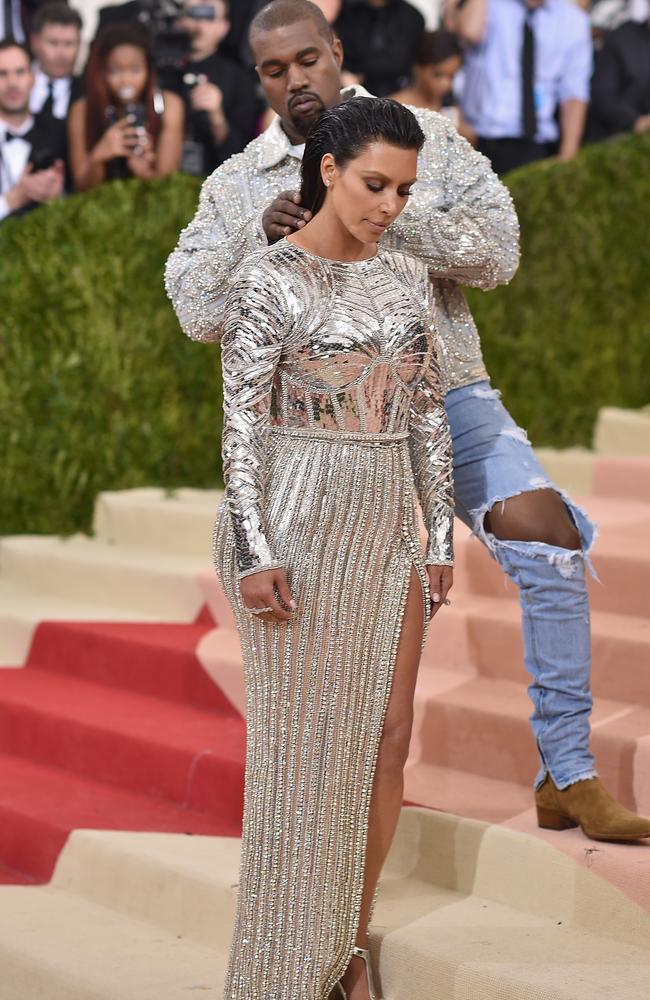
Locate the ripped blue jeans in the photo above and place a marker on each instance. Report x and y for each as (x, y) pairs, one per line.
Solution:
(493, 461)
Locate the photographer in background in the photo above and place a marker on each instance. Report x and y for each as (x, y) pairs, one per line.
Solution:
(220, 97)
(124, 126)
(30, 171)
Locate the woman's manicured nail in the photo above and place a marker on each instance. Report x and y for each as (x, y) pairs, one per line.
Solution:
(436, 598)
(293, 605)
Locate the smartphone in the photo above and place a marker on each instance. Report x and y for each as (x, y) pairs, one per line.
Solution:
(137, 113)
(42, 159)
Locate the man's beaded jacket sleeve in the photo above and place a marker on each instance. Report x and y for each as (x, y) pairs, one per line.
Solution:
(460, 221)
(316, 345)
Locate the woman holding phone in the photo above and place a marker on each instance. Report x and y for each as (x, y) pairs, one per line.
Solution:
(124, 126)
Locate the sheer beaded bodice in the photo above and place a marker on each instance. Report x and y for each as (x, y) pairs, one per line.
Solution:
(310, 344)
(357, 343)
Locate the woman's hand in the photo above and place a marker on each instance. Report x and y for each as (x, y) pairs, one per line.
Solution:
(441, 580)
(118, 140)
(261, 590)
(142, 159)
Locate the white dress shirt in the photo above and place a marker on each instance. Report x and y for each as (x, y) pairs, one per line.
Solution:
(60, 94)
(14, 156)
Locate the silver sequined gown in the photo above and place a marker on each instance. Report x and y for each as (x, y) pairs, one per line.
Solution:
(333, 422)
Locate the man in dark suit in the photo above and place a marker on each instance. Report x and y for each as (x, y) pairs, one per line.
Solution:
(379, 41)
(55, 40)
(620, 89)
(31, 165)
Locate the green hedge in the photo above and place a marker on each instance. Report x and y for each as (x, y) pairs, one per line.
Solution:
(100, 390)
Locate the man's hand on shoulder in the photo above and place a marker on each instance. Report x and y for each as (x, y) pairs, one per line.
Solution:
(284, 216)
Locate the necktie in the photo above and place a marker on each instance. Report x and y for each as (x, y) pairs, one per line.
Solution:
(48, 105)
(528, 80)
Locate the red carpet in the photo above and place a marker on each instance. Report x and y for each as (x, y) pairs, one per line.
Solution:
(113, 726)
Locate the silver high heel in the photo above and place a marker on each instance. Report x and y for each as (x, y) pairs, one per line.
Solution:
(365, 955)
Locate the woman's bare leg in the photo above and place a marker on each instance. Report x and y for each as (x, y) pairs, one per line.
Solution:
(388, 787)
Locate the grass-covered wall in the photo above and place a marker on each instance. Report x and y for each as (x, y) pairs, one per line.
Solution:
(100, 390)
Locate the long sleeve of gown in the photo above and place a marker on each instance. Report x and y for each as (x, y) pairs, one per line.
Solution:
(250, 350)
(461, 218)
(431, 461)
(224, 230)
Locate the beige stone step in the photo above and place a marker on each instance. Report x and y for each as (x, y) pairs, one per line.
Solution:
(181, 883)
(572, 469)
(465, 910)
(180, 521)
(185, 885)
(159, 584)
(622, 432)
(58, 946)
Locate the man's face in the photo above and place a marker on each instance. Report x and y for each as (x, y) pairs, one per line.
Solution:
(56, 48)
(300, 73)
(205, 36)
(16, 81)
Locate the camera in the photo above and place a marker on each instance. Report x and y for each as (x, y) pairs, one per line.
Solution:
(171, 44)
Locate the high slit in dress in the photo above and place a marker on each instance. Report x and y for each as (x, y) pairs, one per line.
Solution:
(334, 426)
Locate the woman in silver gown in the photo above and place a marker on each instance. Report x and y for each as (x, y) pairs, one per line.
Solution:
(333, 427)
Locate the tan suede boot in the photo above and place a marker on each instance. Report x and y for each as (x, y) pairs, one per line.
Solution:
(586, 804)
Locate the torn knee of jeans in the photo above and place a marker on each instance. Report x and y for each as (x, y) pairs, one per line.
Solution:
(566, 561)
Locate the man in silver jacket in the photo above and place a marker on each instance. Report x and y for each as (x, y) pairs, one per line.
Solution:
(461, 220)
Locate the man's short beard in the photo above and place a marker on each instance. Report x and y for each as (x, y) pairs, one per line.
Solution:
(303, 126)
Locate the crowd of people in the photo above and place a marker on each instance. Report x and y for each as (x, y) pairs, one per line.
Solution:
(521, 79)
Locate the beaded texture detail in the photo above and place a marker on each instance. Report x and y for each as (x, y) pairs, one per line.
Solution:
(333, 424)
(313, 344)
(459, 220)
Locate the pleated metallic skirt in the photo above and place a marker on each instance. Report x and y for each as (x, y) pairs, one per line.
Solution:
(341, 515)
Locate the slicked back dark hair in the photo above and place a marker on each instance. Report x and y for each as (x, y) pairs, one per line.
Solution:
(346, 131)
(281, 13)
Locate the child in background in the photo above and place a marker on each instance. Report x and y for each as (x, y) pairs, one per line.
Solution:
(438, 59)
